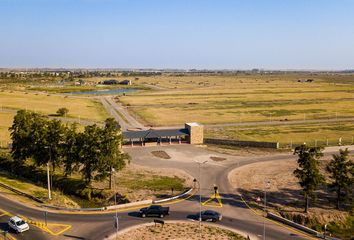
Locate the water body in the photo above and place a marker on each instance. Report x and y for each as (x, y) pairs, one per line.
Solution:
(101, 92)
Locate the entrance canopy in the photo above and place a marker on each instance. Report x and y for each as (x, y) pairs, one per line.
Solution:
(155, 134)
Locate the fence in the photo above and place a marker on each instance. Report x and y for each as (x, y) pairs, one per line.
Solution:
(325, 142)
(241, 143)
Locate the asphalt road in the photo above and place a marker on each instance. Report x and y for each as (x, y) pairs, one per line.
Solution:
(99, 226)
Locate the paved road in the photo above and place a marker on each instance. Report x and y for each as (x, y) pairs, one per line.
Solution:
(121, 115)
(100, 226)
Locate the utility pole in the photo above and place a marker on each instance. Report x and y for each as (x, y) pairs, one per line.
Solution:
(48, 182)
(200, 199)
(116, 221)
(267, 185)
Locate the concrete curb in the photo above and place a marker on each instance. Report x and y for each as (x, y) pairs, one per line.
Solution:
(119, 206)
(74, 209)
(127, 205)
(175, 197)
(125, 230)
(298, 226)
(20, 193)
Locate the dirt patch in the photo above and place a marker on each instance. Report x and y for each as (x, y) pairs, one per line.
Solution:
(244, 151)
(284, 194)
(137, 183)
(217, 159)
(180, 231)
(161, 154)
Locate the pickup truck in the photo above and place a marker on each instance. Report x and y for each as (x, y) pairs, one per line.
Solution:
(154, 210)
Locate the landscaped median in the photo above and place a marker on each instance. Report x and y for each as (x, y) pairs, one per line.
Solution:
(181, 230)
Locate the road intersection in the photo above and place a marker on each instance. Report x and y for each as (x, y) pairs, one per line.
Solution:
(99, 225)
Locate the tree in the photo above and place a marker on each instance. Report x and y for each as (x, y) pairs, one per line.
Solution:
(113, 157)
(23, 140)
(341, 169)
(308, 172)
(90, 154)
(62, 111)
(54, 137)
(71, 150)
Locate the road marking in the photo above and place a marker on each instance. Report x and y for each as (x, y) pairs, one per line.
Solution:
(5, 213)
(46, 228)
(215, 196)
(277, 223)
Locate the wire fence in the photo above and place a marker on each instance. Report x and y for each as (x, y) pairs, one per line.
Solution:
(320, 142)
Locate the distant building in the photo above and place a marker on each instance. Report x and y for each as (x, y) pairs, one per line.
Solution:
(114, 81)
(126, 82)
(110, 82)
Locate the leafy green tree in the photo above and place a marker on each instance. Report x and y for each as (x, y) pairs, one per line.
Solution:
(62, 111)
(23, 140)
(341, 169)
(112, 157)
(55, 137)
(90, 154)
(71, 150)
(308, 172)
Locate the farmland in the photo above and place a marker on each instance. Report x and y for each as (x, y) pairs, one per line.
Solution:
(244, 98)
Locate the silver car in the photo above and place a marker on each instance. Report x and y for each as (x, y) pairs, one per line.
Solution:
(18, 224)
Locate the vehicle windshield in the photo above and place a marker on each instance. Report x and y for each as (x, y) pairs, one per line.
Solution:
(20, 223)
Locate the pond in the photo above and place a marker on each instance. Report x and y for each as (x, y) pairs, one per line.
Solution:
(101, 92)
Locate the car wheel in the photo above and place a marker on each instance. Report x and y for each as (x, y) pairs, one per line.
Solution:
(143, 215)
(213, 220)
(161, 215)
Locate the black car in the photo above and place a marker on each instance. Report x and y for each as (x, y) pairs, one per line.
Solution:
(209, 215)
(154, 210)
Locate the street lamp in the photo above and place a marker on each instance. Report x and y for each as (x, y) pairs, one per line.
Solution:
(200, 199)
(267, 186)
(48, 174)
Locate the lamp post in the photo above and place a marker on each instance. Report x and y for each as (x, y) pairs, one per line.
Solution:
(267, 185)
(48, 174)
(200, 199)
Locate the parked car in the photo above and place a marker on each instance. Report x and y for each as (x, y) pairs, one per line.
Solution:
(209, 215)
(18, 224)
(154, 210)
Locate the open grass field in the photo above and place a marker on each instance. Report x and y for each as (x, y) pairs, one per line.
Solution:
(84, 108)
(312, 134)
(242, 98)
(5, 122)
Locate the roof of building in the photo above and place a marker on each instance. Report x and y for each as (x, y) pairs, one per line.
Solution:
(193, 124)
(152, 133)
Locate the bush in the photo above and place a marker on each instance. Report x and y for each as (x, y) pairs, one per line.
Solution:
(62, 111)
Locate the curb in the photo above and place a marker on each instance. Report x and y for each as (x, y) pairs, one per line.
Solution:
(298, 226)
(125, 230)
(127, 205)
(175, 197)
(120, 206)
(20, 193)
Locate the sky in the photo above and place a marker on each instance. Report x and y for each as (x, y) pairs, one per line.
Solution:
(185, 34)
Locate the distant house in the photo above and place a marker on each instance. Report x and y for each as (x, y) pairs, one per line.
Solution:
(126, 82)
(110, 82)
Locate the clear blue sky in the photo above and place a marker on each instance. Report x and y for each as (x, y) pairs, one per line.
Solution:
(217, 34)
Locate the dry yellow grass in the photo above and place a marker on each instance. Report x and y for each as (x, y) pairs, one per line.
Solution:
(5, 122)
(84, 108)
(242, 98)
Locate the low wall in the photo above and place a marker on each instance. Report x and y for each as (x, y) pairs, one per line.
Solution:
(21, 193)
(298, 226)
(238, 143)
(128, 205)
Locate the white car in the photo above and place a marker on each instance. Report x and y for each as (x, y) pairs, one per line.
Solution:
(17, 224)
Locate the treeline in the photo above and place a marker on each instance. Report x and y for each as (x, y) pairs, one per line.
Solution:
(340, 170)
(93, 153)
